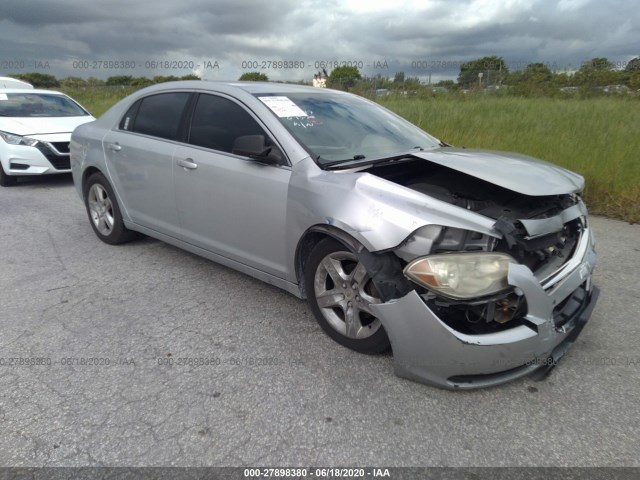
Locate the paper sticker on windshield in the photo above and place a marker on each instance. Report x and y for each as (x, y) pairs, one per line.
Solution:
(3, 96)
(283, 106)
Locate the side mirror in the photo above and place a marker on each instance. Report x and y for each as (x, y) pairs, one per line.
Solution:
(253, 146)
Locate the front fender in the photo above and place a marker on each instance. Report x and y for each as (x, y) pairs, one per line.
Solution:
(377, 213)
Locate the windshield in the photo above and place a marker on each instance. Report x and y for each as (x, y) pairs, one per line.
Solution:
(336, 127)
(38, 105)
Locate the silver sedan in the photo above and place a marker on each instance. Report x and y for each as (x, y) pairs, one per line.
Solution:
(474, 267)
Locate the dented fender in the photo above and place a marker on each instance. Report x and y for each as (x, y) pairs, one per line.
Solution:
(377, 213)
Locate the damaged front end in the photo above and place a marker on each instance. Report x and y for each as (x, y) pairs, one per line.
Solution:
(466, 309)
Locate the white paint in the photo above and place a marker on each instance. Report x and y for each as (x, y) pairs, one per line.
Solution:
(283, 106)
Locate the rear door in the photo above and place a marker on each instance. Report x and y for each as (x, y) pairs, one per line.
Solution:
(229, 204)
(139, 156)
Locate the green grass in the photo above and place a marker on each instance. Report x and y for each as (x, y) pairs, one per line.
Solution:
(98, 99)
(596, 137)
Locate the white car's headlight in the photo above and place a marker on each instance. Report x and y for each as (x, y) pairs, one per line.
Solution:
(12, 139)
(461, 275)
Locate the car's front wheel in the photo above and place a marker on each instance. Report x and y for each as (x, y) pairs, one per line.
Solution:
(6, 180)
(340, 292)
(104, 212)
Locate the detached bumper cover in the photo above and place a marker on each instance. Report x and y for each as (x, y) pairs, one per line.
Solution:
(427, 350)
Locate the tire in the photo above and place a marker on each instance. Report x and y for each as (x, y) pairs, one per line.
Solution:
(104, 211)
(338, 288)
(6, 180)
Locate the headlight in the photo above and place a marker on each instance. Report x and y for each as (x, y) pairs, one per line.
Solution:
(12, 139)
(461, 275)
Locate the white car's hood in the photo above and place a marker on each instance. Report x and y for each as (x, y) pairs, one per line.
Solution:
(519, 173)
(41, 125)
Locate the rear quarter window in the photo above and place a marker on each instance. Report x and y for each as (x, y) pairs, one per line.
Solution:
(127, 121)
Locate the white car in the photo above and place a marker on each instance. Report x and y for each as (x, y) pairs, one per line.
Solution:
(35, 130)
(8, 82)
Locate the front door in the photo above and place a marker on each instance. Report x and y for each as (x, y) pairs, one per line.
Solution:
(228, 204)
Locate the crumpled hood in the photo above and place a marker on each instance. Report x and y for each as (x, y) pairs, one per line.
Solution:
(519, 173)
(41, 125)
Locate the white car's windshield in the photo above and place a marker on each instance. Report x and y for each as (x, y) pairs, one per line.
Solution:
(335, 127)
(38, 105)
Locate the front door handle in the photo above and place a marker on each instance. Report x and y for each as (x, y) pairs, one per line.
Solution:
(188, 163)
(114, 146)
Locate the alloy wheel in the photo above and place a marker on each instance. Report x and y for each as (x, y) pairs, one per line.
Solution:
(101, 209)
(344, 292)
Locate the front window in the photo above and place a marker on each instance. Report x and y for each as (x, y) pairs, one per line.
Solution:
(337, 127)
(26, 105)
(217, 123)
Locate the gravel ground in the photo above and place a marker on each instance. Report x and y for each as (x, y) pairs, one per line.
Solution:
(276, 390)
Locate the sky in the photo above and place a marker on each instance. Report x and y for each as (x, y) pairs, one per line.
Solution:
(221, 39)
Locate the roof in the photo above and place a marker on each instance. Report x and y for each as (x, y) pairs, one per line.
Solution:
(14, 83)
(27, 91)
(271, 87)
(249, 87)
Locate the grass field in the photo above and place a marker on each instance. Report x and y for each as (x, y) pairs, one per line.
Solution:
(98, 100)
(596, 137)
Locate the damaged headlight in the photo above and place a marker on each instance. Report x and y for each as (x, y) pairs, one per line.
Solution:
(461, 275)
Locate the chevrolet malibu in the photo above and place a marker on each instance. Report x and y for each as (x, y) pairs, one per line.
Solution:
(35, 129)
(473, 266)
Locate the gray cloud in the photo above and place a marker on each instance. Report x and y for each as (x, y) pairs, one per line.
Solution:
(437, 34)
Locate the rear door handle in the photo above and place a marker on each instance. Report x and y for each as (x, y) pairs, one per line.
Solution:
(188, 163)
(114, 146)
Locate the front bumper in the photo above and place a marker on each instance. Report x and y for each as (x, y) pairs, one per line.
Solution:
(44, 158)
(427, 350)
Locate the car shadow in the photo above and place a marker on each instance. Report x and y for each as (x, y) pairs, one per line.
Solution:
(61, 180)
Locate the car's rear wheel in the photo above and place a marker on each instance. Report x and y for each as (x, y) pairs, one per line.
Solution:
(104, 212)
(6, 180)
(340, 292)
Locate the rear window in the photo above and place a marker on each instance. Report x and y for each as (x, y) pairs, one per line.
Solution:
(27, 105)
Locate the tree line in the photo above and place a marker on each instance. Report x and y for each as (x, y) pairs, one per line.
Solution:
(490, 72)
(45, 80)
(598, 72)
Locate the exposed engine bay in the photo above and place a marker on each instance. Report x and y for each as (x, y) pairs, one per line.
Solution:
(469, 192)
(542, 253)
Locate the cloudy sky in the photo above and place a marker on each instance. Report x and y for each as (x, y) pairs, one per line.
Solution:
(221, 39)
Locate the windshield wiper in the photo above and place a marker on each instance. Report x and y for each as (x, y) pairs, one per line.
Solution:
(347, 161)
(345, 164)
(356, 160)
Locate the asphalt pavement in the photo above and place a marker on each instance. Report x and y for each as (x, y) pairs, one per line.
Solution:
(145, 355)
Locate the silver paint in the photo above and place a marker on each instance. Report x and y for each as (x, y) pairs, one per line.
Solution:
(508, 170)
(427, 350)
(254, 218)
